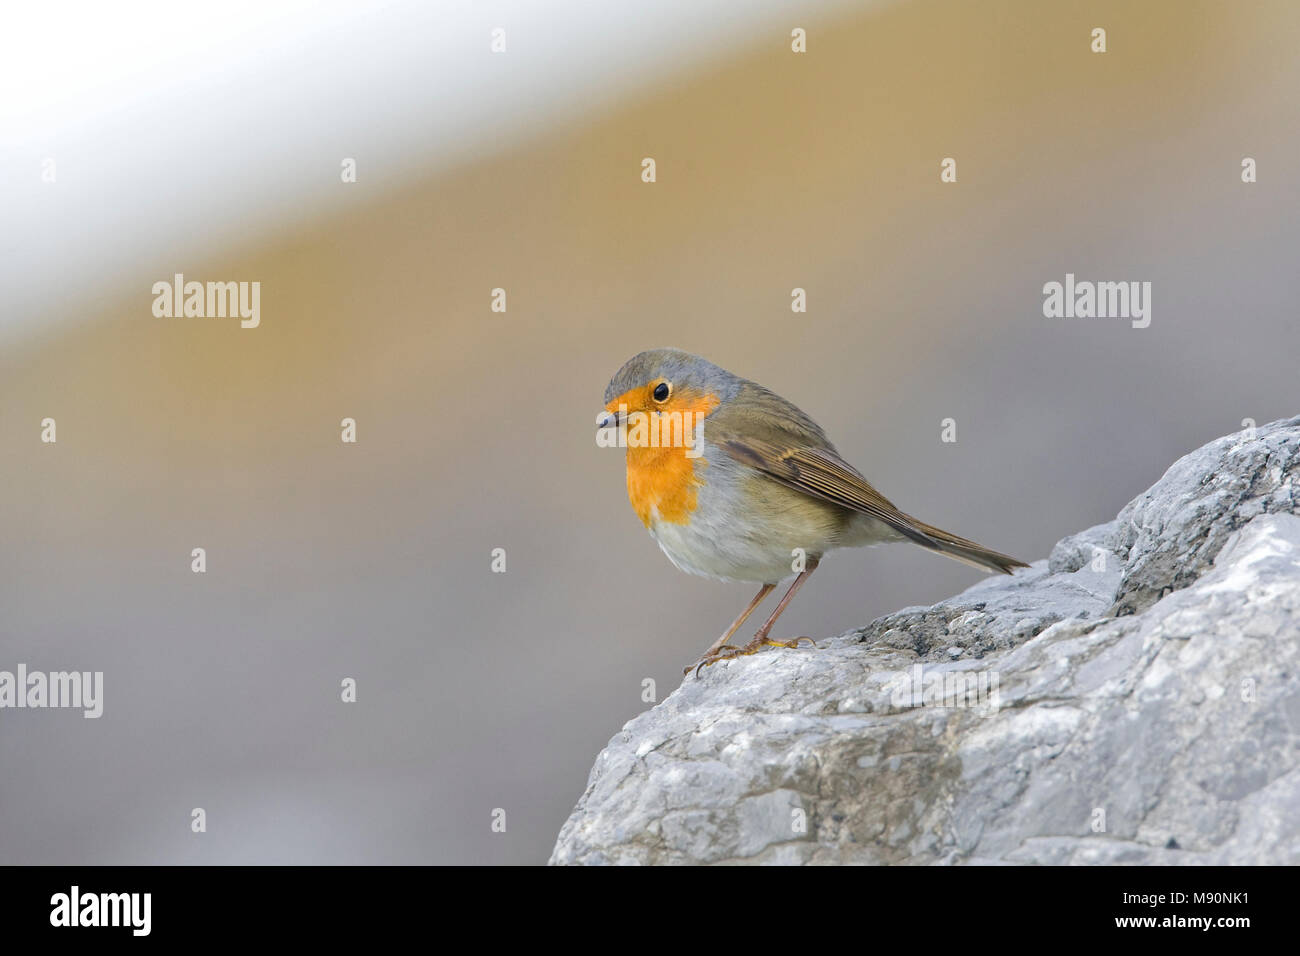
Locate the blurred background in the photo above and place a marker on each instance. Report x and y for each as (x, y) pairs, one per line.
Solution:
(207, 139)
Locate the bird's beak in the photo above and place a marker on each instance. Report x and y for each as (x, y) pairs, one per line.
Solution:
(608, 419)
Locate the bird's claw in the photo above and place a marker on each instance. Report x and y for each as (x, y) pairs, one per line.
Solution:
(792, 643)
(728, 652)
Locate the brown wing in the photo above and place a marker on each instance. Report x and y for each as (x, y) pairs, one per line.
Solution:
(825, 475)
(769, 434)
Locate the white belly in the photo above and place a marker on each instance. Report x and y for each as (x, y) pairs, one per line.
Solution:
(722, 554)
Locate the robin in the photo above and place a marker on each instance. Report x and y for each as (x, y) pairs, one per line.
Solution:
(737, 484)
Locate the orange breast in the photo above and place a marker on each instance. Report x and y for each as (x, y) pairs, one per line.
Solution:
(663, 480)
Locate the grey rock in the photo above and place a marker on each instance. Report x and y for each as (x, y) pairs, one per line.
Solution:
(1134, 698)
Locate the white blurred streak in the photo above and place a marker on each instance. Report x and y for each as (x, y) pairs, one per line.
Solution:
(179, 127)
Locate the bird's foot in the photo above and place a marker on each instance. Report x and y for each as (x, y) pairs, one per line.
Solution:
(724, 653)
(728, 652)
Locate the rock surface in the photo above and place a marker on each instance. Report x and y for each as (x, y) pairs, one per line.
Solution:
(1135, 698)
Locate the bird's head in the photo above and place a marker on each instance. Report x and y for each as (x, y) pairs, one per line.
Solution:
(663, 381)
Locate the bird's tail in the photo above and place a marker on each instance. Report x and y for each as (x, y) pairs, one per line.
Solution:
(964, 550)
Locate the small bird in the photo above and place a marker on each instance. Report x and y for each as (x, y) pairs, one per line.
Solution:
(737, 484)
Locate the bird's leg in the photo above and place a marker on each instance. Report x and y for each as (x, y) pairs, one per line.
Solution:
(721, 642)
(763, 592)
(761, 638)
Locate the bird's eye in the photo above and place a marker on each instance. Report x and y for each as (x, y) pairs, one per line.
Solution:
(661, 392)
